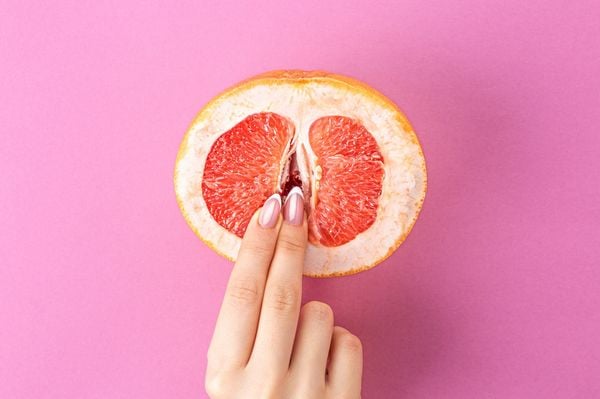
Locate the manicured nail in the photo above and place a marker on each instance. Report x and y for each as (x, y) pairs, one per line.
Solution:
(293, 210)
(270, 212)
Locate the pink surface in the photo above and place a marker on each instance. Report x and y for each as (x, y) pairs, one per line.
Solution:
(106, 293)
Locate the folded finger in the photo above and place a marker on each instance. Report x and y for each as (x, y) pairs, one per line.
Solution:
(345, 366)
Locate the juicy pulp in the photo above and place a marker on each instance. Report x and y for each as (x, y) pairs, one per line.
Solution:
(341, 179)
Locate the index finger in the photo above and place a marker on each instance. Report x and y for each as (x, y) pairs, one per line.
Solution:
(235, 330)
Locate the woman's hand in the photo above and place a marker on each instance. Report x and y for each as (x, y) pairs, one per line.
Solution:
(265, 345)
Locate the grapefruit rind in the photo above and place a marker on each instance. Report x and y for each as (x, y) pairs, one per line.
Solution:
(328, 94)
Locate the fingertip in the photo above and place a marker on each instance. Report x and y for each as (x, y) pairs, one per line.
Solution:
(293, 212)
(340, 330)
(269, 213)
(265, 220)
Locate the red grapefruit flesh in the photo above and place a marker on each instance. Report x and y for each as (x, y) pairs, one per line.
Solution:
(350, 149)
(243, 167)
(351, 169)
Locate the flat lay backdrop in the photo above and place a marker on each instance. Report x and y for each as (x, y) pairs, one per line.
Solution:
(106, 293)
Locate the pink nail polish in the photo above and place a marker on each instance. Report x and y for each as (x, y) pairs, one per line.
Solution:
(293, 211)
(270, 212)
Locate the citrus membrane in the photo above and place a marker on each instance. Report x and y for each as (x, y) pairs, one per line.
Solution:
(351, 151)
(257, 157)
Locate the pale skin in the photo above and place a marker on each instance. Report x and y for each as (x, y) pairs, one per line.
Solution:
(265, 343)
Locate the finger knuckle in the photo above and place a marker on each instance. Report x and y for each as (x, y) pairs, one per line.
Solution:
(244, 292)
(319, 311)
(290, 244)
(351, 343)
(216, 385)
(259, 250)
(284, 298)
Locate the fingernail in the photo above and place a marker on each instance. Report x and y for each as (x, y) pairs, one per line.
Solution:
(293, 210)
(270, 212)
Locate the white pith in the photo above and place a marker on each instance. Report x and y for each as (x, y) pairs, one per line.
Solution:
(403, 184)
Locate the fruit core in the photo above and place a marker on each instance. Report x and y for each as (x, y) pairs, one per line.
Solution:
(337, 163)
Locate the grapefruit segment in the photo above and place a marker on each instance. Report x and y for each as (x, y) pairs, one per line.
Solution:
(351, 175)
(350, 149)
(243, 169)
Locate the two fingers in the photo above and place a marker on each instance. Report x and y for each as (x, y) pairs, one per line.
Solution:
(259, 314)
(283, 290)
(258, 321)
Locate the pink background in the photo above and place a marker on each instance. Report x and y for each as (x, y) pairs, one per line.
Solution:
(106, 293)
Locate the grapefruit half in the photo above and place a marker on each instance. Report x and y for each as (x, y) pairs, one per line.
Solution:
(350, 149)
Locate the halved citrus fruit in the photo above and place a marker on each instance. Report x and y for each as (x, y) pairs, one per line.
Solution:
(350, 149)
